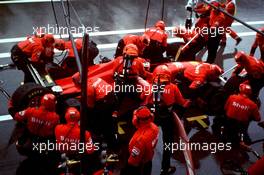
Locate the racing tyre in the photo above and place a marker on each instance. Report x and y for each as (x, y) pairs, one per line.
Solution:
(27, 95)
(217, 102)
(232, 84)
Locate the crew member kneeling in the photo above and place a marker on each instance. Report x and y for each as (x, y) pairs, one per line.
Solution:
(69, 134)
(40, 122)
(31, 51)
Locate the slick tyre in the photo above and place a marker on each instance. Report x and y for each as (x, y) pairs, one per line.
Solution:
(27, 95)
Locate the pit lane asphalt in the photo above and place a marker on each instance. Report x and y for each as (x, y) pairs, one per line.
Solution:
(17, 20)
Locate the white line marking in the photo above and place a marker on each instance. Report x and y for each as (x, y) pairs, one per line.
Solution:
(249, 23)
(4, 55)
(113, 45)
(246, 34)
(104, 33)
(5, 118)
(114, 32)
(12, 40)
(26, 1)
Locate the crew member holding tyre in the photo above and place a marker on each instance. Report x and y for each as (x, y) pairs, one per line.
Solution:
(31, 51)
(40, 121)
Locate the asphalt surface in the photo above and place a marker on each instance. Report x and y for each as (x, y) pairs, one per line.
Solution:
(18, 20)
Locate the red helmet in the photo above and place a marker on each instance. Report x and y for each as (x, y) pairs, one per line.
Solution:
(59, 44)
(241, 56)
(91, 96)
(78, 43)
(131, 50)
(145, 39)
(48, 39)
(142, 115)
(72, 115)
(48, 101)
(245, 89)
(162, 73)
(216, 69)
(160, 24)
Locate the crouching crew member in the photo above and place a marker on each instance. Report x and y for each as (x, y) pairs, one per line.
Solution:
(32, 50)
(158, 42)
(142, 144)
(40, 121)
(69, 134)
(68, 142)
(254, 69)
(200, 74)
(140, 41)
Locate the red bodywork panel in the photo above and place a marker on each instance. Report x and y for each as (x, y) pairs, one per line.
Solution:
(103, 71)
(67, 86)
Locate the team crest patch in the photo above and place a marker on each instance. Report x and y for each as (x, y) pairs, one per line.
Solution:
(135, 152)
